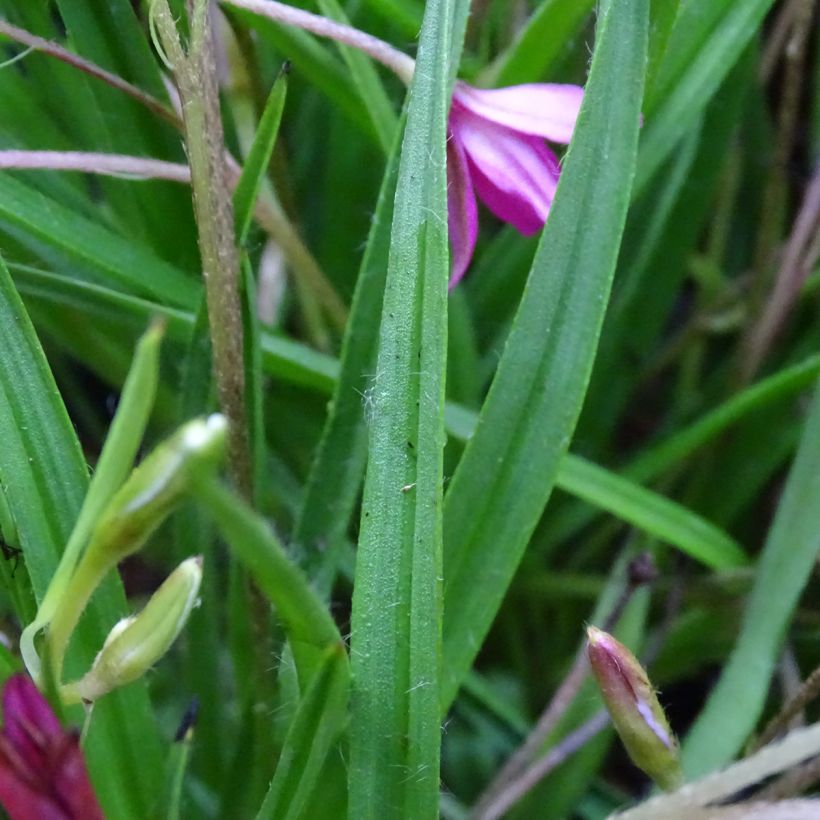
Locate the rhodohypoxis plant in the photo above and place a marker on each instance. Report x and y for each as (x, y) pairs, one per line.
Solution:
(496, 149)
(395, 562)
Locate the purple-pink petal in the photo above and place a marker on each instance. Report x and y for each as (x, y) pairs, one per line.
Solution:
(462, 211)
(514, 174)
(42, 771)
(547, 110)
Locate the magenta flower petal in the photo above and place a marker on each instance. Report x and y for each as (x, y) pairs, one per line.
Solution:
(514, 174)
(462, 211)
(539, 109)
(42, 771)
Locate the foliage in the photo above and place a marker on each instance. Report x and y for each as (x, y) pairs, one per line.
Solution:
(433, 493)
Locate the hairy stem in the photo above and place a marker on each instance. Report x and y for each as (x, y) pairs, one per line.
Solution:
(196, 80)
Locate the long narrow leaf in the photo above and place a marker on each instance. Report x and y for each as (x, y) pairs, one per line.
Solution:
(508, 470)
(321, 715)
(338, 464)
(85, 242)
(708, 38)
(256, 163)
(787, 561)
(308, 624)
(396, 620)
(655, 514)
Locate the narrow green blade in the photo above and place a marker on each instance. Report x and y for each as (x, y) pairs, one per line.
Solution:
(120, 261)
(509, 467)
(307, 622)
(785, 566)
(319, 719)
(256, 164)
(708, 38)
(396, 619)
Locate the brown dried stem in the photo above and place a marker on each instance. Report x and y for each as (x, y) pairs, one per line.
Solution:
(780, 722)
(774, 195)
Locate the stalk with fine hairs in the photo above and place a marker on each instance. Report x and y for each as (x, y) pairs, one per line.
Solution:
(213, 207)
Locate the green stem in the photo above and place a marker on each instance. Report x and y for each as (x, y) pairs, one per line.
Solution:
(85, 579)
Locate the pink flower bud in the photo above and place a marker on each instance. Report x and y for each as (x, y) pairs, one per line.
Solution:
(636, 713)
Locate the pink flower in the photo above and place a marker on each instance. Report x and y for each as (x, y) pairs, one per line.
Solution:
(42, 771)
(497, 151)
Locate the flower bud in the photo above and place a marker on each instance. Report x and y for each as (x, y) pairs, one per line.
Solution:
(135, 644)
(139, 507)
(636, 713)
(154, 488)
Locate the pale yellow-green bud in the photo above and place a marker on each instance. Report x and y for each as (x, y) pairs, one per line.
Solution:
(155, 487)
(135, 644)
(151, 492)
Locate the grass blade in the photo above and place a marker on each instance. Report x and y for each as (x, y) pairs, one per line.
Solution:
(541, 42)
(371, 90)
(338, 464)
(256, 163)
(396, 620)
(708, 38)
(499, 489)
(784, 568)
(308, 624)
(118, 260)
(319, 719)
(651, 512)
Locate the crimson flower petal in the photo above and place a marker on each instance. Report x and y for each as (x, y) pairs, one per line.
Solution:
(462, 211)
(42, 771)
(547, 110)
(514, 174)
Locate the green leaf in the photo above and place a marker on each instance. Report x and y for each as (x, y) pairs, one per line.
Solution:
(283, 358)
(121, 261)
(319, 719)
(653, 513)
(256, 163)
(785, 566)
(622, 497)
(662, 15)
(109, 33)
(540, 42)
(364, 75)
(509, 467)
(396, 618)
(708, 38)
(338, 464)
(674, 450)
(313, 60)
(307, 622)
(44, 478)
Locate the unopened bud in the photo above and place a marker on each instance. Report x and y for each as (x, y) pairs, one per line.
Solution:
(633, 705)
(151, 492)
(135, 644)
(155, 487)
